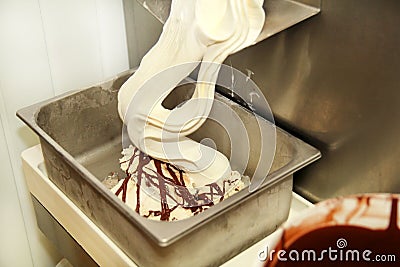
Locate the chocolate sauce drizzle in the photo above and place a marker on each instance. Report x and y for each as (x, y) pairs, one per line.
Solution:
(196, 203)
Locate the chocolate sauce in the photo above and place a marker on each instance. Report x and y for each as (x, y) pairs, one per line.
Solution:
(196, 203)
(358, 240)
(143, 161)
(124, 186)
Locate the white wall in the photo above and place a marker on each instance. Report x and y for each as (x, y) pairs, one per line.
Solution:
(47, 47)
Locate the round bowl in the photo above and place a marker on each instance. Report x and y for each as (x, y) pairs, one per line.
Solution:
(360, 230)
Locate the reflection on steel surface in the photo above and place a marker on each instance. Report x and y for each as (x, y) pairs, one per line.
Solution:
(334, 81)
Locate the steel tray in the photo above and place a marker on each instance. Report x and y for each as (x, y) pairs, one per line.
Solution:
(80, 135)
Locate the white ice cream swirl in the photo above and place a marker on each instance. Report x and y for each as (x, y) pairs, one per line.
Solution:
(196, 30)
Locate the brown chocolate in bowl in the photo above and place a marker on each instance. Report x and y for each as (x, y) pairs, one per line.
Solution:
(382, 242)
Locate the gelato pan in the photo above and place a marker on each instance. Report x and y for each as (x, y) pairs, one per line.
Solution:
(80, 158)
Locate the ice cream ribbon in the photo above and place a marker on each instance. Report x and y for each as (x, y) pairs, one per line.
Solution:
(196, 32)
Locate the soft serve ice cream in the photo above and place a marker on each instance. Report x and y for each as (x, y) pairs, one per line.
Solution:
(204, 31)
(178, 198)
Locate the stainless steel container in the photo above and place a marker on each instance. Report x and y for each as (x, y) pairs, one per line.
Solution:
(80, 134)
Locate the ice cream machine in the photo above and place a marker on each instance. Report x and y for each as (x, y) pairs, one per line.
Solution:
(331, 80)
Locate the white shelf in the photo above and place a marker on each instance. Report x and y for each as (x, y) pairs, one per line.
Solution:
(97, 245)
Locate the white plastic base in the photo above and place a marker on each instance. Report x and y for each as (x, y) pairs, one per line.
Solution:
(87, 234)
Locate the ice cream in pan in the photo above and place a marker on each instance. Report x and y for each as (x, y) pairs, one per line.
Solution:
(171, 184)
(179, 199)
